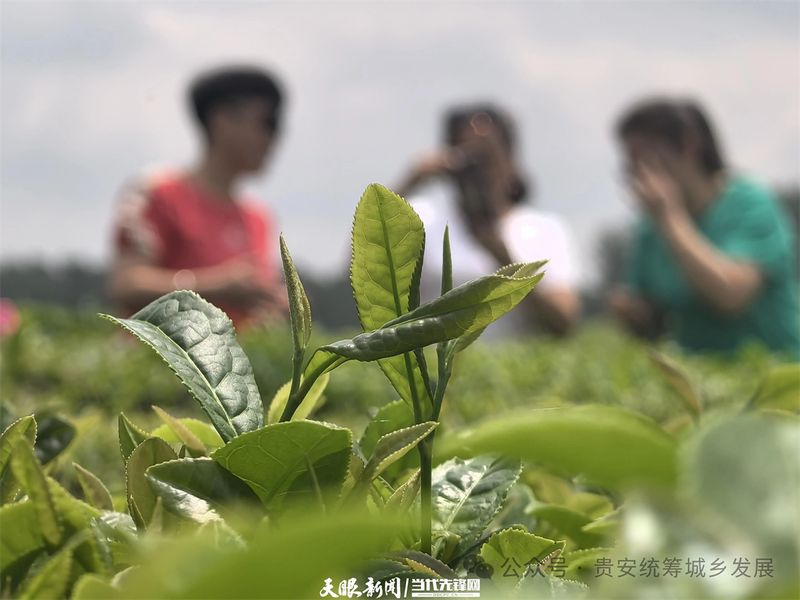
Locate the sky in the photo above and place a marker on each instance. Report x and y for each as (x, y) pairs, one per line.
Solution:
(93, 93)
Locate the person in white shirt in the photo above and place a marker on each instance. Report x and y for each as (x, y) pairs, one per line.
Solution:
(490, 222)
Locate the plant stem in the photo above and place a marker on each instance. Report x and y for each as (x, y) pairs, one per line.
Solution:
(425, 468)
(303, 388)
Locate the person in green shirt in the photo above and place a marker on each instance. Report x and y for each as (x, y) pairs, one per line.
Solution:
(713, 258)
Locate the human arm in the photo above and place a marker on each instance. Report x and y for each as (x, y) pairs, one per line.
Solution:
(728, 284)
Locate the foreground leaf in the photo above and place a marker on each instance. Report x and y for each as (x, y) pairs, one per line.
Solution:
(467, 494)
(130, 436)
(307, 407)
(294, 458)
(22, 429)
(197, 341)
(193, 445)
(461, 312)
(141, 499)
(299, 307)
(51, 581)
(200, 429)
(394, 446)
(197, 488)
(780, 389)
(286, 562)
(31, 477)
(610, 446)
(94, 490)
(679, 381)
(388, 247)
(514, 554)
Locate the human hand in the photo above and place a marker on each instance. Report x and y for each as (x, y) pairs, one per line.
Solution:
(657, 189)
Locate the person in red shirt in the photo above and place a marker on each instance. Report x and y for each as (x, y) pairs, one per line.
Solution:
(191, 229)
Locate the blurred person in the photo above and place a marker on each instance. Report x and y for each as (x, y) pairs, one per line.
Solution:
(191, 229)
(713, 257)
(490, 222)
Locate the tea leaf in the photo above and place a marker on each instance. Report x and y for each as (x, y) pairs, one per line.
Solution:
(200, 429)
(94, 490)
(611, 446)
(393, 446)
(196, 488)
(679, 381)
(299, 307)
(569, 523)
(92, 587)
(51, 581)
(278, 562)
(390, 417)
(31, 477)
(467, 494)
(21, 537)
(130, 436)
(197, 341)
(53, 435)
(780, 389)
(388, 247)
(141, 499)
(515, 554)
(22, 429)
(192, 443)
(288, 458)
(307, 407)
(461, 312)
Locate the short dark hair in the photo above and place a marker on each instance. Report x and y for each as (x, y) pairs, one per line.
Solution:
(456, 118)
(674, 122)
(225, 85)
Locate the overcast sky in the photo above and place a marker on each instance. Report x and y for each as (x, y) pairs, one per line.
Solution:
(92, 92)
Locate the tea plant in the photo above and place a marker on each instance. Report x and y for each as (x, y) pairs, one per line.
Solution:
(265, 489)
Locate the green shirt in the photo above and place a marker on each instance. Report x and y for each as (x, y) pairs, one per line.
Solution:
(746, 223)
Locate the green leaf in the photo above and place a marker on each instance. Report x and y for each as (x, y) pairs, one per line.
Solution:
(569, 523)
(393, 446)
(194, 446)
(278, 562)
(679, 381)
(404, 496)
(21, 537)
(94, 491)
(467, 494)
(130, 436)
(447, 262)
(200, 429)
(53, 435)
(77, 518)
(29, 473)
(610, 446)
(197, 488)
(761, 499)
(515, 554)
(21, 429)
(390, 417)
(388, 248)
(307, 407)
(141, 498)
(461, 312)
(419, 562)
(289, 459)
(197, 341)
(780, 389)
(51, 581)
(92, 587)
(299, 307)
(581, 564)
